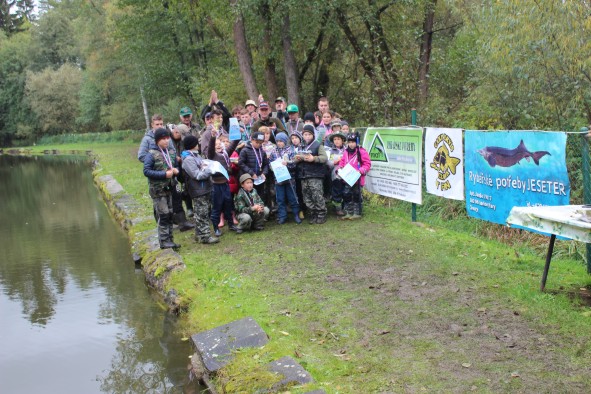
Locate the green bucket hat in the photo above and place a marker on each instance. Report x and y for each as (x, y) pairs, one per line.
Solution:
(185, 111)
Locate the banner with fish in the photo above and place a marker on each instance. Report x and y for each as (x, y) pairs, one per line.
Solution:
(396, 162)
(514, 168)
(444, 162)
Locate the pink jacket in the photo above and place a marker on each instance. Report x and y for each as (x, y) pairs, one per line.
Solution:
(353, 158)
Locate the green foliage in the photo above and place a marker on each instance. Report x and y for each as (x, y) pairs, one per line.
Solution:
(53, 95)
(85, 138)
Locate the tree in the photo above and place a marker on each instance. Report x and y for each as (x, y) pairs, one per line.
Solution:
(14, 14)
(54, 97)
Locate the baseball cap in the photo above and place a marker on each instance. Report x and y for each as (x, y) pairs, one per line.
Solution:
(292, 108)
(264, 104)
(280, 99)
(185, 111)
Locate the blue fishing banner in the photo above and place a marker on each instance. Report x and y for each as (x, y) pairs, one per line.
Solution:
(504, 169)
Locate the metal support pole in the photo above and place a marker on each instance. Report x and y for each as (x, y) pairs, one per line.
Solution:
(586, 184)
(413, 121)
(548, 260)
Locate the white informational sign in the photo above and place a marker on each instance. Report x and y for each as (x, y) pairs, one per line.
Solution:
(349, 174)
(234, 130)
(281, 172)
(444, 162)
(396, 162)
(216, 167)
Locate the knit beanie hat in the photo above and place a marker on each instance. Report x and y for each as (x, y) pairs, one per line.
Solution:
(309, 116)
(281, 137)
(190, 142)
(297, 134)
(161, 133)
(308, 128)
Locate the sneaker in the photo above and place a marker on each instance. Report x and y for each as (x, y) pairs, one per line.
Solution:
(218, 232)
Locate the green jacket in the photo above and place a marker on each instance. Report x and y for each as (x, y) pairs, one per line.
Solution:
(244, 201)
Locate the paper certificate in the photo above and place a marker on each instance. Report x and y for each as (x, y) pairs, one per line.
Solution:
(349, 174)
(216, 167)
(234, 130)
(281, 172)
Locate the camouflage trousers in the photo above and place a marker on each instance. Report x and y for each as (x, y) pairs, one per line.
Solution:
(313, 193)
(163, 212)
(246, 221)
(202, 213)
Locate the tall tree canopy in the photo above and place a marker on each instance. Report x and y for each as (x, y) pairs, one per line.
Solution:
(471, 63)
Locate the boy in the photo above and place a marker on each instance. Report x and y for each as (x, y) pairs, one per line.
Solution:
(220, 150)
(285, 190)
(198, 181)
(160, 167)
(249, 206)
(360, 160)
(254, 162)
(311, 169)
(294, 122)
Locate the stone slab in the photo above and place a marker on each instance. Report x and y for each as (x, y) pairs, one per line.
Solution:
(112, 186)
(215, 346)
(291, 370)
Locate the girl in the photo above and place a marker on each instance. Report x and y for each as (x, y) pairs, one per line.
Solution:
(357, 157)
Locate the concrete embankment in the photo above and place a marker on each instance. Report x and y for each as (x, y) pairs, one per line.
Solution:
(157, 264)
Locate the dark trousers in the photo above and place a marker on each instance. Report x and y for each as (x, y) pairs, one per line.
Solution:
(221, 202)
(352, 198)
(337, 187)
(177, 201)
(284, 194)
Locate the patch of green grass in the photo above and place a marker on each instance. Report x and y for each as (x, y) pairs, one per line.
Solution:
(384, 305)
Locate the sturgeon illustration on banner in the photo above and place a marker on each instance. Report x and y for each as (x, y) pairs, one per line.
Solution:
(444, 162)
(396, 162)
(514, 168)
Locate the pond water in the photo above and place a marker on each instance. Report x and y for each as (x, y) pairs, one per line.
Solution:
(76, 315)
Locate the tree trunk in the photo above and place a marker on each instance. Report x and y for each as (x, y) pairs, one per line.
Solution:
(243, 54)
(270, 77)
(145, 106)
(425, 51)
(290, 67)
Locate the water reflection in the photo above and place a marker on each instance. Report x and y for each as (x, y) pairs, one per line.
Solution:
(76, 315)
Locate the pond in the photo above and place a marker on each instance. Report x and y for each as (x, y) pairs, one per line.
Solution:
(77, 316)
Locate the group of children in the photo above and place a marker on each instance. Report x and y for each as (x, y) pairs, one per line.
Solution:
(276, 172)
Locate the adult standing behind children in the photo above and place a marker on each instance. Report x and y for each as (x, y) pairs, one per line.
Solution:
(216, 103)
(311, 170)
(198, 178)
(160, 167)
(266, 120)
(254, 162)
(186, 116)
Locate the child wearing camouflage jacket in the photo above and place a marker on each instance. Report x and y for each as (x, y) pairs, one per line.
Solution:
(249, 206)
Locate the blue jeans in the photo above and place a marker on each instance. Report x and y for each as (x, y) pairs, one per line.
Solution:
(221, 201)
(286, 193)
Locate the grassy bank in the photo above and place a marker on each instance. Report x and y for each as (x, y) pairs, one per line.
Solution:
(383, 305)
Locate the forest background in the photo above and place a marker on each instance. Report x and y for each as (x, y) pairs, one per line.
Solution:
(77, 66)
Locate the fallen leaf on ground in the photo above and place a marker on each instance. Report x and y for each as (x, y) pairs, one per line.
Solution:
(466, 365)
(514, 374)
(284, 333)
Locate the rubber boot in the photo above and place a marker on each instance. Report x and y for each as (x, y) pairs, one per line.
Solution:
(321, 217)
(183, 223)
(356, 215)
(348, 211)
(312, 217)
(296, 216)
